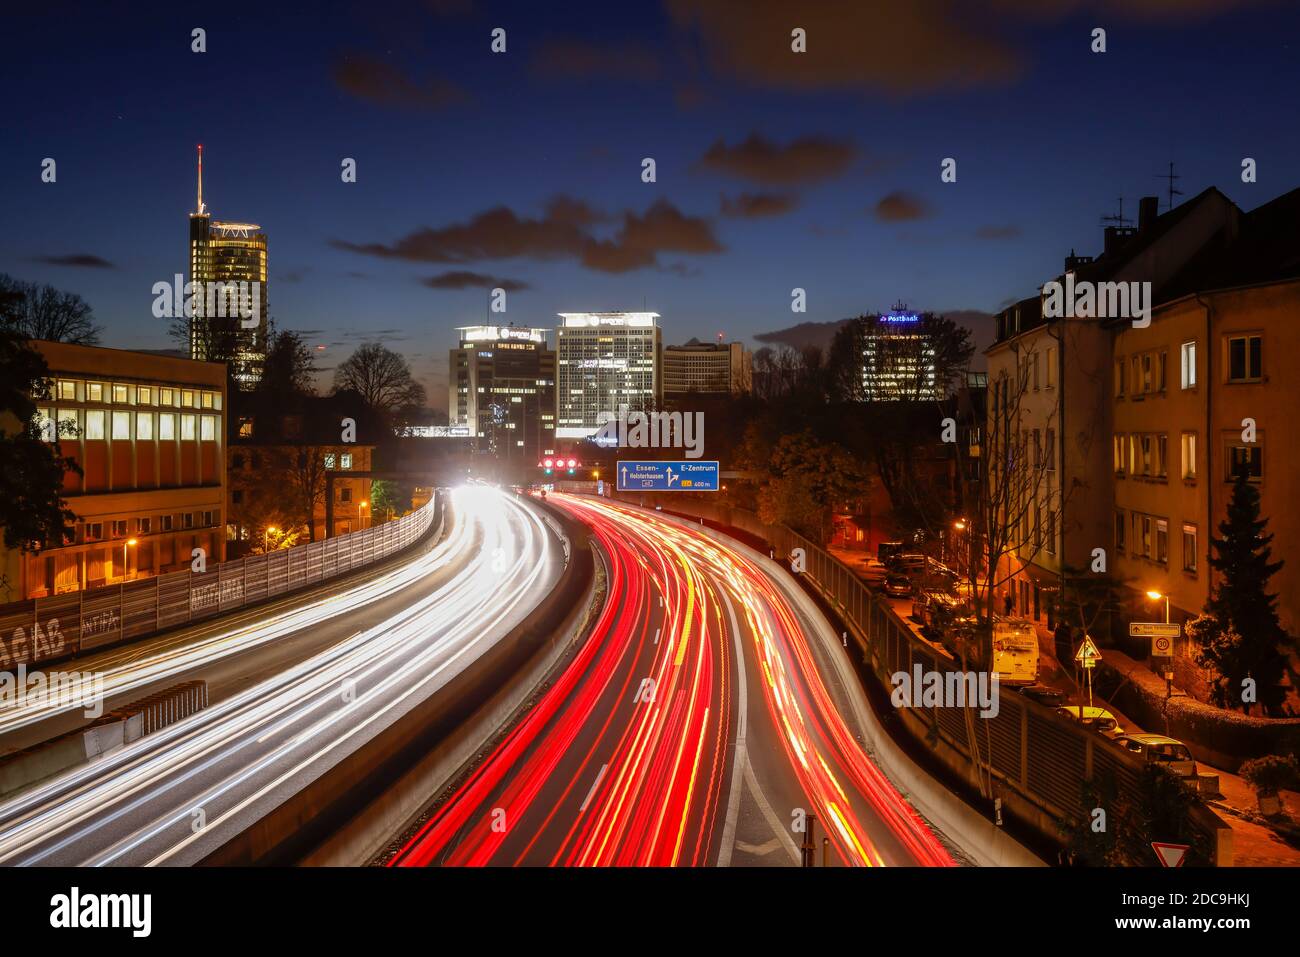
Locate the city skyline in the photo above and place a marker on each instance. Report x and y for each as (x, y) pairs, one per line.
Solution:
(776, 176)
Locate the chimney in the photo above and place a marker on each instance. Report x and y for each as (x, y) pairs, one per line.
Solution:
(1148, 210)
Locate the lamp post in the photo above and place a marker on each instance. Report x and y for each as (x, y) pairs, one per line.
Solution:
(266, 536)
(129, 542)
(364, 505)
(1156, 596)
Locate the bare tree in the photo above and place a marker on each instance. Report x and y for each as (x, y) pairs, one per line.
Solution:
(382, 378)
(42, 312)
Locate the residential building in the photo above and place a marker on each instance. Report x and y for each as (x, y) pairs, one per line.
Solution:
(605, 360)
(147, 432)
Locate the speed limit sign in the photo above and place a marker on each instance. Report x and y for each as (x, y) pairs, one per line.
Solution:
(1161, 646)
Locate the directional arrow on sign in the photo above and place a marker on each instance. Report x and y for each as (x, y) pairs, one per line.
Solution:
(1171, 855)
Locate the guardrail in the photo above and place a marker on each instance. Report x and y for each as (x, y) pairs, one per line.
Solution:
(40, 630)
(1038, 762)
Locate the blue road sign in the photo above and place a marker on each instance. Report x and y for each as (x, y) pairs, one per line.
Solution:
(668, 476)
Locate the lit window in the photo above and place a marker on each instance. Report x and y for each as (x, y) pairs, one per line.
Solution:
(167, 426)
(1162, 541)
(187, 428)
(330, 460)
(121, 425)
(164, 396)
(120, 394)
(144, 426)
(67, 390)
(1189, 365)
(207, 400)
(1189, 455)
(95, 424)
(208, 428)
(45, 424)
(69, 424)
(1189, 548)
(94, 392)
(187, 399)
(145, 395)
(346, 460)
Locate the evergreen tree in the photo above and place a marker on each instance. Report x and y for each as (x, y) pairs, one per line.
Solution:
(1239, 635)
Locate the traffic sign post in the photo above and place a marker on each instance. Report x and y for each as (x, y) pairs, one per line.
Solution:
(1088, 656)
(668, 476)
(1162, 635)
(1170, 855)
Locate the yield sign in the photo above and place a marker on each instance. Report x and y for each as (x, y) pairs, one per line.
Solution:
(1088, 653)
(1171, 855)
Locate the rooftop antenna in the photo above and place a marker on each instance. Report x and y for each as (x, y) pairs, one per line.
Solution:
(202, 208)
(1119, 219)
(899, 306)
(1172, 177)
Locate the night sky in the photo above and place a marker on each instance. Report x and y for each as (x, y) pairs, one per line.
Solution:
(523, 169)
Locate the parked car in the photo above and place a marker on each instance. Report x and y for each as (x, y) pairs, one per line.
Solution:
(898, 586)
(1156, 748)
(1044, 695)
(887, 551)
(908, 563)
(1098, 719)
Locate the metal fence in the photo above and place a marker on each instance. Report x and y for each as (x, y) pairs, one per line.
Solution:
(1030, 752)
(39, 630)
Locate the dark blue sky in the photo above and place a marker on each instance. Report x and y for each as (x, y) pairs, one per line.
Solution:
(1046, 135)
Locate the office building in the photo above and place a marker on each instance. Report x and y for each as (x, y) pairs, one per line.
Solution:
(147, 432)
(227, 270)
(896, 358)
(605, 360)
(707, 368)
(502, 389)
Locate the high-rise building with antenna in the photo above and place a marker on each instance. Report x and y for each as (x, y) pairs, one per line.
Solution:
(229, 295)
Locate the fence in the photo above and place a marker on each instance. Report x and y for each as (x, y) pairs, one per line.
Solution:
(39, 630)
(1038, 761)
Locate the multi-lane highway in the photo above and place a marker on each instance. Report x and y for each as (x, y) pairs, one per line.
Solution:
(175, 795)
(702, 722)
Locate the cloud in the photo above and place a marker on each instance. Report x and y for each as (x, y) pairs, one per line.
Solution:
(79, 260)
(754, 205)
(900, 207)
(579, 59)
(563, 232)
(805, 334)
(805, 160)
(383, 84)
(463, 279)
(998, 232)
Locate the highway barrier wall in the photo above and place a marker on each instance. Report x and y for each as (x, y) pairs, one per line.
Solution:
(339, 809)
(1037, 762)
(41, 630)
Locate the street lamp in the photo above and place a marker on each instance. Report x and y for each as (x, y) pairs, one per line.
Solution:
(364, 505)
(131, 542)
(1156, 596)
(266, 547)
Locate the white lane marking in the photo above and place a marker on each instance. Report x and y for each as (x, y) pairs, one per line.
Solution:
(740, 757)
(773, 821)
(656, 641)
(594, 784)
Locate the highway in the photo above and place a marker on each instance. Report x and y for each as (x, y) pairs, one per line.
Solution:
(700, 723)
(175, 795)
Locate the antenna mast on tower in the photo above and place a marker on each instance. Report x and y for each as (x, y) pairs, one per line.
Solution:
(202, 211)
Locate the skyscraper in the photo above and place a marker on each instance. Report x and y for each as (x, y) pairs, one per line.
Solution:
(605, 360)
(502, 386)
(707, 368)
(228, 283)
(896, 358)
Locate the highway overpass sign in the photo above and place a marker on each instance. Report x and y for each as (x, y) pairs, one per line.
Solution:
(668, 476)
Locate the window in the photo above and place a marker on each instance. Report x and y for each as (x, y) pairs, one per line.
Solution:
(144, 425)
(1189, 455)
(1189, 365)
(95, 424)
(67, 391)
(164, 396)
(68, 423)
(1146, 536)
(187, 398)
(187, 520)
(1119, 443)
(345, 460)
(45, 425)
(1162, 363)
(187, 428)
(119, 528)
(1119, 378)
(145, 394)
(1162, 541)
(1035, 371)
(1135, 383)
(1146, 373)
(330, 460)
(94, 531)
(167, 426)
(1051, 366)
(143, 525)
(245, 427)
(1189, 548)
(94, 392)
(207, 400)
(166, 523)
(208, 519)
(1146, 455)
(1245, 358)
(121, 425)
(1051, 532)
(1119, 531)
(207, 427)
(1049, 450)
(1247, 458)
(1162, 455)
(120, 394)
(345, 495)
(1038, 450)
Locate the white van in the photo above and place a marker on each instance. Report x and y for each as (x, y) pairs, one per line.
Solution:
(1015, 651)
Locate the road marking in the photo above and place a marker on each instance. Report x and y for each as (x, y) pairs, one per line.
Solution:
(759, 850)
(740, 758)
(656, 641)
(594, 784)
(773, 821)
